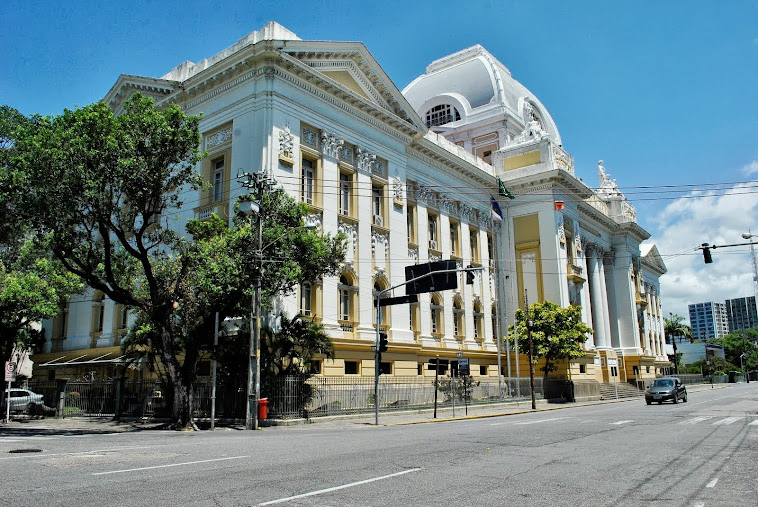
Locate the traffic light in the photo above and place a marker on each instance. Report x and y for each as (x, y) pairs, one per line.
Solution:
(707, 253)
(383, 342)
(469, 276)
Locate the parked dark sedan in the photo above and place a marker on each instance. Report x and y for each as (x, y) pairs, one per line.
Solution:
(665, 389)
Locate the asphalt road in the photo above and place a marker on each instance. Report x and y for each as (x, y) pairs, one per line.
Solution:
(700, 453)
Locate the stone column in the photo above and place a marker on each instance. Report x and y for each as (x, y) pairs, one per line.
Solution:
(597, 291)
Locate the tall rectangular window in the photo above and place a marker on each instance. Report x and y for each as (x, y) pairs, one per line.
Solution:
(345, 193)
(432, 222)
(474, 243)
(308, 181)
(410, 219)
(218, 180)
(454, 250)
(377, 204)
(306, 299)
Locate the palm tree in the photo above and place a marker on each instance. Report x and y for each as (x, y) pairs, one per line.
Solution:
(673, 327)
(292, 347)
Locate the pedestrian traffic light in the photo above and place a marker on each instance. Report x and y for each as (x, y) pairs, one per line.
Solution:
(469, 276)
(706, 253)
(383, 342)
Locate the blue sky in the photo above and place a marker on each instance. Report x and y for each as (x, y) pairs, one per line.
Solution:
(663, 92)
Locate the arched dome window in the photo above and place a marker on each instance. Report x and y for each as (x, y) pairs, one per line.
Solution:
(442, 114)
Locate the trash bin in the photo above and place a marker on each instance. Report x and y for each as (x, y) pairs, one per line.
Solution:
(262, 409)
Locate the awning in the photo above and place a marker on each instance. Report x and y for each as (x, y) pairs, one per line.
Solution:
(76, 358)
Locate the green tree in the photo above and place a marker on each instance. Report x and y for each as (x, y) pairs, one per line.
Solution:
(739, 342)
(557, 333)
(32, 285)
(105, 188)
(674, 327)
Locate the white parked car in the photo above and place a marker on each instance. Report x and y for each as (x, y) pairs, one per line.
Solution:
(23, 400)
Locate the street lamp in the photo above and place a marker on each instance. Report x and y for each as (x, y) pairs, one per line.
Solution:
(742, 363)
(252, 209)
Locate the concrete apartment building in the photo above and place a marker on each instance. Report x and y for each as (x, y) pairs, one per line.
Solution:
(708, 320)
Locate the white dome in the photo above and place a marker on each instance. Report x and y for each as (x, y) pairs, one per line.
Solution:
(473, 79)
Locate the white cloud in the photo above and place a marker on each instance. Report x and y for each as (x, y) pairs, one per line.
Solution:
(684, 225)
(751, 168)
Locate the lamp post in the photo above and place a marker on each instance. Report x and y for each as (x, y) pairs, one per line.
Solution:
(673, 342)
(742, 364)
(260, 183)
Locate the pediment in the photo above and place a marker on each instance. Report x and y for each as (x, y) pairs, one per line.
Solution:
(351, 67)
(653, 258)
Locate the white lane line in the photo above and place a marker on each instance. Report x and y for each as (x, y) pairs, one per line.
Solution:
(712, 483)
(114, 449)
(543, 420)
(754, 423)
(623, 422)
(697, 419)
(728, 420)
(169, 465)
(699, 504)
(336, 488)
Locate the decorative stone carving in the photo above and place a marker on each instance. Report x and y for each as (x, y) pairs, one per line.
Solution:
(607, 187)
(313, 220)
(309, 137)
(448, 205)
(578, 242)
(378, 168)
(532, 128)
(346, 154)
(330, 144)
(218, 138)
(397, 192)
(366, 160)
(351, 231)
(485, 220)
(379, 239)
(413, 254)
(425, 195)
(286, 145)
(467, 213)
(561, 230)
(434, 257)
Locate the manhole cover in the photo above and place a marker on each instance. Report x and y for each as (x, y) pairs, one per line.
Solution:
(17, 451)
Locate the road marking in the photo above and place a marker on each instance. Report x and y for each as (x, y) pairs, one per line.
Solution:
(712, 483)
(542, 420)
(623, 422)
(697, 419)
(699, 504)
(30, 456)
(336, 488)
(169, 465)
(728, 420)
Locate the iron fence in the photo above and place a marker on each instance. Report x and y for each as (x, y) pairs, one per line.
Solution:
(290, 397)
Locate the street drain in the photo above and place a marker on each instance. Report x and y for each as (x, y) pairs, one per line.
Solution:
(17, 451)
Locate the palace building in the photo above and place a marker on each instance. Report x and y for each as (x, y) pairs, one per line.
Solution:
(410, 177)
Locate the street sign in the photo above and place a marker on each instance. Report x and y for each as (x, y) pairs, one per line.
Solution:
(443, 364)
(463, 366)
(10, 371)
(441, 275)
(398, 300)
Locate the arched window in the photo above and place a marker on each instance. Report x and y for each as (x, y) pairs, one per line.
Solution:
(436, 309)
(478, 322)
(442, 114)
(347, 296)
(306, 299)
(459, 326)
(379, 286)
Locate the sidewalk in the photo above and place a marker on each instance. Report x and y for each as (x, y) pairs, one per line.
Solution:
(93, 425)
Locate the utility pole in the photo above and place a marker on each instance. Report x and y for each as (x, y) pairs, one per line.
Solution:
(531, 350)
(257, 181)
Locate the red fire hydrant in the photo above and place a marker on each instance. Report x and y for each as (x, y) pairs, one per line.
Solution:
(262, 409)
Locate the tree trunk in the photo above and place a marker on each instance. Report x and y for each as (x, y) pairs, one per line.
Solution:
(181, 410)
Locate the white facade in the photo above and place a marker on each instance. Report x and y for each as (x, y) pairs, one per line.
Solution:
(325, 123)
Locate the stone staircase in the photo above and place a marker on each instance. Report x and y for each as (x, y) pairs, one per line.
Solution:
(618, 390)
